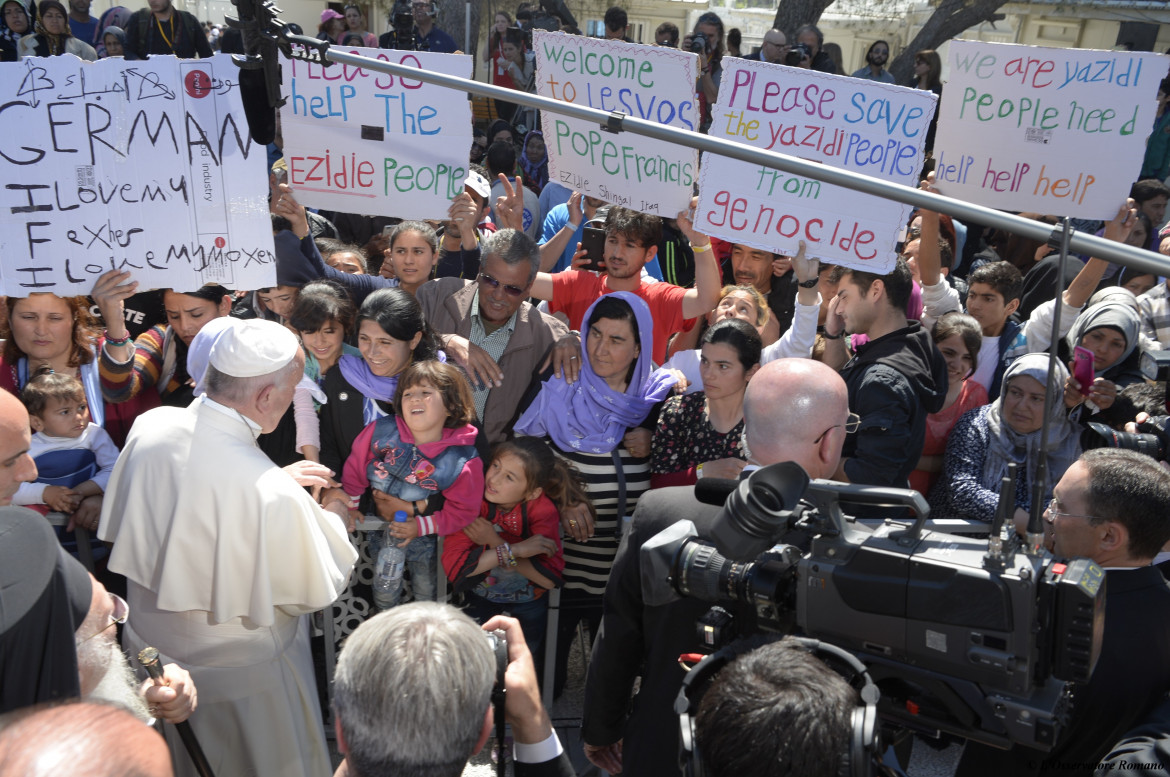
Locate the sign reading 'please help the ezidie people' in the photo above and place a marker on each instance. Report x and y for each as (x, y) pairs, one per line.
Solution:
(870, 128)
(360, 141)
(654, 83)
(1059, 131)
(145, 166)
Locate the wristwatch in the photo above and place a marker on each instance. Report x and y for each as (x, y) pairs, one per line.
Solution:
(809, 284)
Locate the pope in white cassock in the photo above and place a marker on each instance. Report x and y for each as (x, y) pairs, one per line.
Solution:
(224, 553)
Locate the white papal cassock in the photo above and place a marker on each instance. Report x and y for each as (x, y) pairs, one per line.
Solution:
(224, 553)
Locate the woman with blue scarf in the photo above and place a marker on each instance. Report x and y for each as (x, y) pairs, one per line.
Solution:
(593, 424)
(392, 335)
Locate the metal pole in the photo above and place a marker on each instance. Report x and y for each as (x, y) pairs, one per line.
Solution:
(1052, 395)
(1079, 242)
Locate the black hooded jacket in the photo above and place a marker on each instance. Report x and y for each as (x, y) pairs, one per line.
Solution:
(894, 382)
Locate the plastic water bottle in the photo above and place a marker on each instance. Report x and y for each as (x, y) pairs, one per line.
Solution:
(388, 570)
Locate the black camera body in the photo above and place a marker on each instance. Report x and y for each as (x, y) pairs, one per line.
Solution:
(698, 43)
(960, 639)
(797, 53)
(1151, 438)
(402, 20)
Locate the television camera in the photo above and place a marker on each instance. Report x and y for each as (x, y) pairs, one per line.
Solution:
(962, 636)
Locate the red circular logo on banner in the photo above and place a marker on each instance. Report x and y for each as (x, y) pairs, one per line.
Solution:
(197, 83)
(220, 242)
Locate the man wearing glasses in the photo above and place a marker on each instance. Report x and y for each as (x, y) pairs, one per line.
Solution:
(1112, 506)
(426, 34)
(489, 328)
(794, 410)
(774, 48)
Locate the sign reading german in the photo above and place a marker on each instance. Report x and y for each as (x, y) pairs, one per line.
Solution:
(139, 165)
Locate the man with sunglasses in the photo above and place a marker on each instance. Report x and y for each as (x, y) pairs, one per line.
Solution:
(489, 328)
(1112, 506)
(794, 410)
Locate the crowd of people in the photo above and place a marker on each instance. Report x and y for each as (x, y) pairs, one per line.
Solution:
(478, 392)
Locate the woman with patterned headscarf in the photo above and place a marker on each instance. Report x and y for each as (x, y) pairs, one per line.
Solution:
(15, 23)
(52, 36)
(117, 17)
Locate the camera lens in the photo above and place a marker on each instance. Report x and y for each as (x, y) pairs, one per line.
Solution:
(1098, 435)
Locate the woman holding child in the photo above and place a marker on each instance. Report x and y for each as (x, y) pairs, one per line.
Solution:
(59, 334)
(599, 425)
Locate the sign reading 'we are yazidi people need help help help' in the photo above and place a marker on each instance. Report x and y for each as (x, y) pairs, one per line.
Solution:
(1058, 131)
(360, 141)
(863, 126)
(654, 83)
(145, 166)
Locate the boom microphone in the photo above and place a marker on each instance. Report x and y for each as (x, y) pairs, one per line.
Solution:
(259, 67)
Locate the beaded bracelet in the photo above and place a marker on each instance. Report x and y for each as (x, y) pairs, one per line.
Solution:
(511, 558)
(116, 342)
(500, 559)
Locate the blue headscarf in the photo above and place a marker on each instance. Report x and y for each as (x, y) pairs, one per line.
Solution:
(588, 415)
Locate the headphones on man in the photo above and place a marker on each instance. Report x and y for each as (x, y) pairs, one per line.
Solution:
(864, 750)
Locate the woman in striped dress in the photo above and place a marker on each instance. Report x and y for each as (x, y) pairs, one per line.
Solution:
(596, 425)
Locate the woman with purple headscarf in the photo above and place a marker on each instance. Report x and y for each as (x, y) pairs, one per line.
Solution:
(601, 424)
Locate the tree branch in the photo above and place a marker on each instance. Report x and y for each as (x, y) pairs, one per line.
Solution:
(948, 20)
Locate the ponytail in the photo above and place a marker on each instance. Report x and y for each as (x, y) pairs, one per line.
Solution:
(544, 469)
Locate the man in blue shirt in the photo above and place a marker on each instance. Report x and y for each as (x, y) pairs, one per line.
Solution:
(563, 227)
(427, 33)
(875, 60)
(81, 25)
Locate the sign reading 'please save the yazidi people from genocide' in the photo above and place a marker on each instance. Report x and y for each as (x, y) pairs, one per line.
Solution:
(870, 128)
(1058, 131)
(654, 83)
(145, 166)
(360, 141)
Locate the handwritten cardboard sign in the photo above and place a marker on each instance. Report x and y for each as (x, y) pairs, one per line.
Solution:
(1058, 131)
(359, 141)
(871, 128)
(144, 166)
(654, 83)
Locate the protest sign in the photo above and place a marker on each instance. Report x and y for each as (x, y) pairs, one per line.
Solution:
(871, 128)
(139, 165)
(359, 141)
(1059, 131)
(654, 83)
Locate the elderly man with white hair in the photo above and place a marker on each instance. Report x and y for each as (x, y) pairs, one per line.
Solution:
(223, 553)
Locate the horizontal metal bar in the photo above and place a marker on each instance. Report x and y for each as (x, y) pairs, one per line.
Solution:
(1081, 243)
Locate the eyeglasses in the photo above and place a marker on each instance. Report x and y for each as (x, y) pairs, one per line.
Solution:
(492, 283)
(121, 611)
(851, 425)
(1052, 510)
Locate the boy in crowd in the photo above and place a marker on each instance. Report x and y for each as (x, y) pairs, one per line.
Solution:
(74, 456)
(631, 240)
